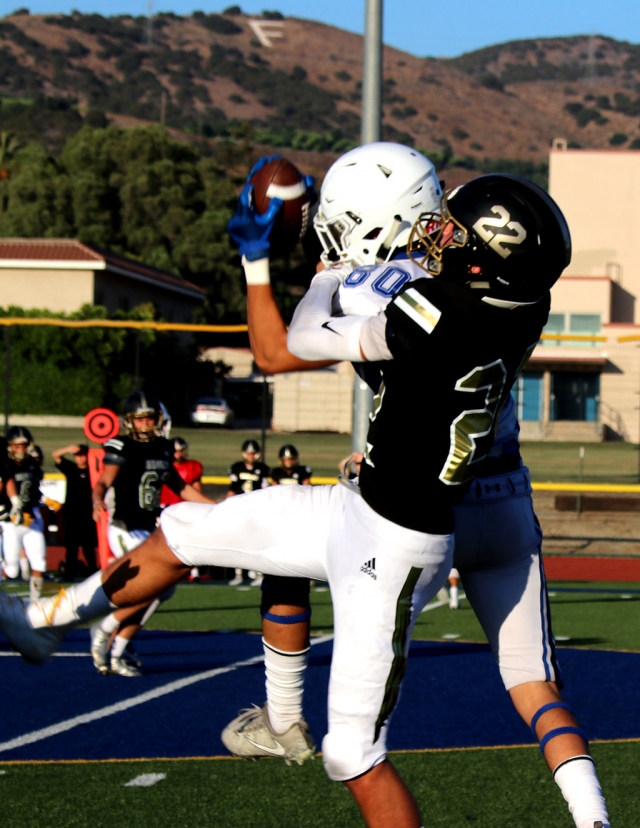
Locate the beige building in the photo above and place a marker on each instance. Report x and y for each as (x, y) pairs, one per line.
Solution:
(299, 401)
(61, 275)
(588, 389)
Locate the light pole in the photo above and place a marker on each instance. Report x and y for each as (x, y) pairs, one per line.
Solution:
(371, 129)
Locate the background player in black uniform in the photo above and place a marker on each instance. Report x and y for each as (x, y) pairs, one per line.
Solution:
(290, 470)
(136, 466)
(9, 500)
(26, 472)
(79, 526)
(247, 475)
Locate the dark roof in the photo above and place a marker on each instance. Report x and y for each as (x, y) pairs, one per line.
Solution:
(67, 250)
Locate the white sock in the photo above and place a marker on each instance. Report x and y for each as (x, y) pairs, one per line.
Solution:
(25, 569)
(285, 686)
(579, 784)
(109, 624)
(35, 587)
(81, 602)
(119, 645)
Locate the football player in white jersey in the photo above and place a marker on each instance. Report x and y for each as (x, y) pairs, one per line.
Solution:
(479, 309)
(497, 549)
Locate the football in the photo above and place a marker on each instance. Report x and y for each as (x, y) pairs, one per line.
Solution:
(281, 179)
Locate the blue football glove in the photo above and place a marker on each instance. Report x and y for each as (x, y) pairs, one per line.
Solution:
(310, 184)
(250, 230)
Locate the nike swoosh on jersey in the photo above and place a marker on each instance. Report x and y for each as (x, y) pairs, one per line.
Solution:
(279, 750)
(326, 325)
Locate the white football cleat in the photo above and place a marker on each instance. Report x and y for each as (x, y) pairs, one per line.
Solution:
(251, 737)
(34, 644)
(120, 666)
(100, 649)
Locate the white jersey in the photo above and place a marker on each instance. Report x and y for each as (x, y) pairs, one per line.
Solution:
(368, 289)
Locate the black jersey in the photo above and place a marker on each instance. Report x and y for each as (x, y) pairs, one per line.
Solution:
(27, 475)
(144, 469)
(5, 504)
(455, 360)
(243, 479)
(296, 474)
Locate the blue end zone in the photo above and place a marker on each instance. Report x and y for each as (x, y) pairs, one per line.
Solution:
(452, 697)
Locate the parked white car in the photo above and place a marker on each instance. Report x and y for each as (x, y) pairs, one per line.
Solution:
(212, 411)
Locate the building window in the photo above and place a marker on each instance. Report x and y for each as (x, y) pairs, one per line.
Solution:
(527, 393)
(576, 324)
(575, 396)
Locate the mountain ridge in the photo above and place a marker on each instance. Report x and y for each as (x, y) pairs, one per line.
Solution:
(208, 75)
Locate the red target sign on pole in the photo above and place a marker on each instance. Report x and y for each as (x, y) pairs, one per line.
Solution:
(100, 425)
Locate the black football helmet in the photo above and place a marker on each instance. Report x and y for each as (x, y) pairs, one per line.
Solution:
(288, 452)
(180, 444)
(19, 442)
(500, 234)
(143, 404)
(251, 447)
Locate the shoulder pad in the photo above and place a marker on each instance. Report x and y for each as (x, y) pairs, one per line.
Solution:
(114, 444)
(411, 307)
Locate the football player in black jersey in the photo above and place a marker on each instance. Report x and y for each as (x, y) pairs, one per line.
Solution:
(460, 339)
(10, 506)
(28, 532)
(290, 470)
(247, 475)
(136, 466)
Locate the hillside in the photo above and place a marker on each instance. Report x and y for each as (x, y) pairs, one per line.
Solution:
(208, 75)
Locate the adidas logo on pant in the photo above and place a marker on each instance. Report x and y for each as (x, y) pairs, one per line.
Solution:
(369, 568)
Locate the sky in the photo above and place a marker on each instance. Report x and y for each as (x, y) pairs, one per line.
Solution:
(416, 26)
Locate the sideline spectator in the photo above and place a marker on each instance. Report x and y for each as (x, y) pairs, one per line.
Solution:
(28, 530)
(245, 476)
(290, 470)
(79, 526)
(190, 471)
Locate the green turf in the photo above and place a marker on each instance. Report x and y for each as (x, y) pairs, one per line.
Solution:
(614, 462)
(510, 788)
(217, 449)
(485, 788)
(594, 620)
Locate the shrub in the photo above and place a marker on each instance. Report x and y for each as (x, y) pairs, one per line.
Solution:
(618, 138)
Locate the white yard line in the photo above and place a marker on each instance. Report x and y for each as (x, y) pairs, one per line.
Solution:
(134, 701)
(55, 655)
(437, 604)
(145, 780)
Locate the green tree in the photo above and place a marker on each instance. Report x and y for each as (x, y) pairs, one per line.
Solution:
(138, 193)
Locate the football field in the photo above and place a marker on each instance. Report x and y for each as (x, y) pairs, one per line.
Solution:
(80, 749)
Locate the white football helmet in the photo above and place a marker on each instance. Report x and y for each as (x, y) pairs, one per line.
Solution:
(369, 201)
